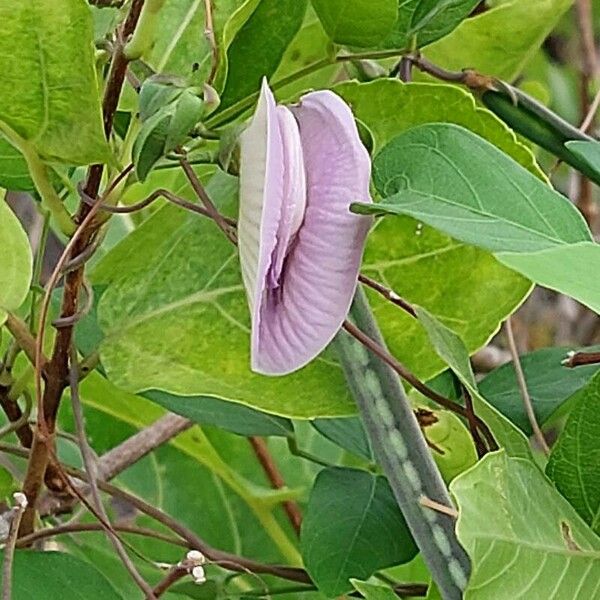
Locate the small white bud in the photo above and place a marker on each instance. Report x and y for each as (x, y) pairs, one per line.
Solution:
(394, 296)
(196, 556)
(20, 499)
(198, 575)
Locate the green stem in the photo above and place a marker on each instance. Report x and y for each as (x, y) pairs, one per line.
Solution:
(229, 114)
(39, 174)
(143, 36)
(401, 451)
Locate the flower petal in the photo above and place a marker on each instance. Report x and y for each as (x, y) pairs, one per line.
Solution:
(299, 319)
(272, 199)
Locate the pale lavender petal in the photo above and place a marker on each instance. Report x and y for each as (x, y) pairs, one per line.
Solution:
(272, 200)
(300, 317)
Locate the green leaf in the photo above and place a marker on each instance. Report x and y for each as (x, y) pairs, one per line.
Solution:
(357, 22)
(523, 538)
(54, 108)
(60, 575)
(311, 44)
(181, 44)
(442, 175)
(389, 107)
(14, 174)
(15, 261)
(348, 433)
(573, 463)
(501, 41)
(371, 535)
(258, 48)
(425, 21)
(549, 383)
(226, 415)
(566, 269)
(373, 592)
(452, 349)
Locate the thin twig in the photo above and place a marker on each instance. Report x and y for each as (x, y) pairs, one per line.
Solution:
(270, 468)
(521, 381)
(415, 382)
(90, 467)
(388, 294)
(438, 507)
(579, 359)
(205, 199)
(480, 446)
(209, 33)
(69, 528)
(11, 544)
(589, 71)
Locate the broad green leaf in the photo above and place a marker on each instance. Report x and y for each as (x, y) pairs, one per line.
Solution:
(566, 269)
(53, 108)
(348, 433)
(501, 41)
(357, 22)
(389, 107)
(311, 44)
(371, 535)
(452, 349)
(181, 45)
(523, 538)
(457, 182)
(14, 174)
(549, 383)
(15, 261)
(59, 575)
(373, 592)
(258, 48)
(573, 463)
(226, 415)
(425, 21)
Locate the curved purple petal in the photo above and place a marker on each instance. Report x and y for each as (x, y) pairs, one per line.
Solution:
(301, 316)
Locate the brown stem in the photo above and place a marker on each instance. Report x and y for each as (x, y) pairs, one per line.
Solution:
(388, 294)
(521, 381)
(58, 366)
(11, 544)
(589, 70)
(20, 332)
(91, 470)
(205, 199)
(14, 414)
(472, 421)
(140, 444)
(68, 528)
(270, 468)
(173, 576)
(579, 359)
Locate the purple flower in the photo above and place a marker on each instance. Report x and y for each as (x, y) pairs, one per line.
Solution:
(300, 246)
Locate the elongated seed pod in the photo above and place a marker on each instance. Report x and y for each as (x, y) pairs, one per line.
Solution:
(538, 124)
(401, 451)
